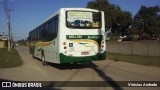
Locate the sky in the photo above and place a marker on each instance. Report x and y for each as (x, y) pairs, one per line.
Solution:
(28, 14)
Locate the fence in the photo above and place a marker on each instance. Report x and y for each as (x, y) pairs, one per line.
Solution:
(148, 48)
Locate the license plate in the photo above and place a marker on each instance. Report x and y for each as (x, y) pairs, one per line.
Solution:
(84, 53)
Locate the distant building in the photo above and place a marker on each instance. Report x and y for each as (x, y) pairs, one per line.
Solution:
(3, 37)
(3, 41)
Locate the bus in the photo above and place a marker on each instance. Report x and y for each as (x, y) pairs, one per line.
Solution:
(71, 35)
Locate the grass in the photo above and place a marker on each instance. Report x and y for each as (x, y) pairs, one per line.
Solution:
(143, 60)
(9, 59)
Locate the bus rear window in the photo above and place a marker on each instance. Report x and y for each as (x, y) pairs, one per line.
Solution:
(81, 19)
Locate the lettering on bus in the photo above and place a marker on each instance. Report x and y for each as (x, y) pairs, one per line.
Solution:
(75, 36)
(93, 37)
(83, 36)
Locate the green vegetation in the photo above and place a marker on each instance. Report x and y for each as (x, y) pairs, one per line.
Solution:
(22, 42)
(144, 25)
(143, 60)
(9, 59)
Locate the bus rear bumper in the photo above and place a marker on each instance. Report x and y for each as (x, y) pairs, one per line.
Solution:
(72, 59)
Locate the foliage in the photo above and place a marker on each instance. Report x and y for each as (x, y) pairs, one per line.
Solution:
(147, 20)
(22, 42)
(144, 25)
(114, 17)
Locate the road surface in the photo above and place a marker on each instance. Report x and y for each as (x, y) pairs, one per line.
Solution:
(107, 70)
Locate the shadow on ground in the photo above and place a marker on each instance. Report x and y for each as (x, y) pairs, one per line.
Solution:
(106, 78)
(108, 81)
(71, 66)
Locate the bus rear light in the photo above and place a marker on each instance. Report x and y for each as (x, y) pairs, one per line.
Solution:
(64, 43)
(65, 47)
(102, 41)
(102, 46)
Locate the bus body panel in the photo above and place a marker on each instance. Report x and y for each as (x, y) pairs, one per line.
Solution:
(73, 44)
(49, 49)
(82, 48)
(51, 52)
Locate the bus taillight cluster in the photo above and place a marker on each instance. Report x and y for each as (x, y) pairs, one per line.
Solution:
(64, 43)
(102, 44)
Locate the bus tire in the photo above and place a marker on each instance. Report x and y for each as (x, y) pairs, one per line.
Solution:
(44, 63)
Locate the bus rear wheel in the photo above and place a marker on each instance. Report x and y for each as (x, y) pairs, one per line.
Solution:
(44, 63)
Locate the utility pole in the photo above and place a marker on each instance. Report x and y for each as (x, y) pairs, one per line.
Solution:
(9, 29)
(7, 11)
(9, 33)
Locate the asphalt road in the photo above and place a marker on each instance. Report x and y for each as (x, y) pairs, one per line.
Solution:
(107, 70)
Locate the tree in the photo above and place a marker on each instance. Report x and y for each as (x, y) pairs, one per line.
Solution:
(147, 20)
(102, 5)
(114, 17)
(22, 42)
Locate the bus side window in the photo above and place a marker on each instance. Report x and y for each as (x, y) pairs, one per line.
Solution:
(54, 27)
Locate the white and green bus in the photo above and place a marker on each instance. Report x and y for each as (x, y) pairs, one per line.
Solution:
(71, 35)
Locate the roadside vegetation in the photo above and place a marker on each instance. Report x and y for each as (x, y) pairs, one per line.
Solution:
(9, 59)
(143, 60)
(123, 26)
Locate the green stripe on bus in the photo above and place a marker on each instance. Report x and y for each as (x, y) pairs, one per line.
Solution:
(71, 59)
